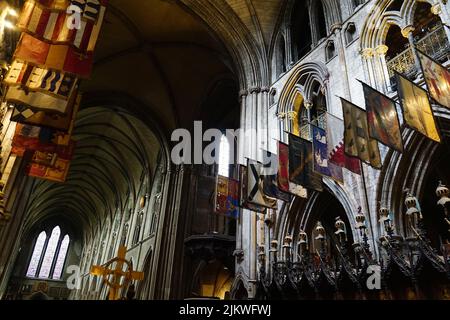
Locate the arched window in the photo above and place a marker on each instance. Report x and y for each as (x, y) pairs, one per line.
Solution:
(61, 258)
(224, 157)
(301, 30)
(37, 253)
(49, 255)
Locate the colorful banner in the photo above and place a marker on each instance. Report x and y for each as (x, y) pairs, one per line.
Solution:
(62, 58)
(54, 25)
(255, 186)
(322, 163)
(356, 137)
(31, 138)
(437, 78)
(320, 149)
(336, 154)
(283, 174)
(382, 118)
(227, 197)
(25, 115)
(301, 164)
(417, 111)
(244, 203)
(56, 173)
(270, 178)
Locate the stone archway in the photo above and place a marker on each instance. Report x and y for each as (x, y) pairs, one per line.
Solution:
(412, 170)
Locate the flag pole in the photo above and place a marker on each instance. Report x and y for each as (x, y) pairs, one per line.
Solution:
(366, 198)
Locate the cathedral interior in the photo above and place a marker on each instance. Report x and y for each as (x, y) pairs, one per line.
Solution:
(280, 65)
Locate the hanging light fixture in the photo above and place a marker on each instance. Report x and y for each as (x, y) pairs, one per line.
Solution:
(341, 231)
(386, 221)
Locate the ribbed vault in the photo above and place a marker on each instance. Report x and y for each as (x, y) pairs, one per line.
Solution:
(116, 152)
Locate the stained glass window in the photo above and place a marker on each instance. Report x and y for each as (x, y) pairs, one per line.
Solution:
(224, 157)
(50, 253)
(61, 258)
(37, 253)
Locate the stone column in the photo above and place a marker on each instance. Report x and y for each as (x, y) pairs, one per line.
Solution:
(265, 104)
(367, 57)
(384, 79)
(253, 118)
(241, 142)
(337, 30)
(407, 32)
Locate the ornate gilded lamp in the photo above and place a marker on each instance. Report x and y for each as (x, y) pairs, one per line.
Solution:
(273, 250)
(302, 243)
(444, 201)
(413, 215)
(262, 261)
(386, 221)
(341, 231)
(320, 237)
(287, 248)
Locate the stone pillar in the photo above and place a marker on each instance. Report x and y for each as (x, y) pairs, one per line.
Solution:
(407, 32)
(265, 134)
(384, 78)
(337, 30)
(442, 12)
(367, 57)
(241, 143)
(253, 118)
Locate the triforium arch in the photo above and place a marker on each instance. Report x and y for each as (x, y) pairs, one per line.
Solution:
(384, 16)
(299, 91)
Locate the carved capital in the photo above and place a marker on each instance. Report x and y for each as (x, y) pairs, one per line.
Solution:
(336, 27)
(255, 90)
(406, 31)
(243, 93)
(382, 49)
(436, 9)
(367, 53)
(308, 104)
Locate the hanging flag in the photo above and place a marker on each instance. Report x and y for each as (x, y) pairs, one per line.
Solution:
(227, 197)
(320, 159)
(322, 163)
(336, 154)
(356, 137)
(233, 199)
(437, 78)
(382, 118)
(270, 178)
(283, 174)
(57, 57)
(243, 191)
(57, 26)
(26, 115)
(32, 138)
(416, 107)
(283, 166)
(301, 164)
(56, 173)
(255, 186)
